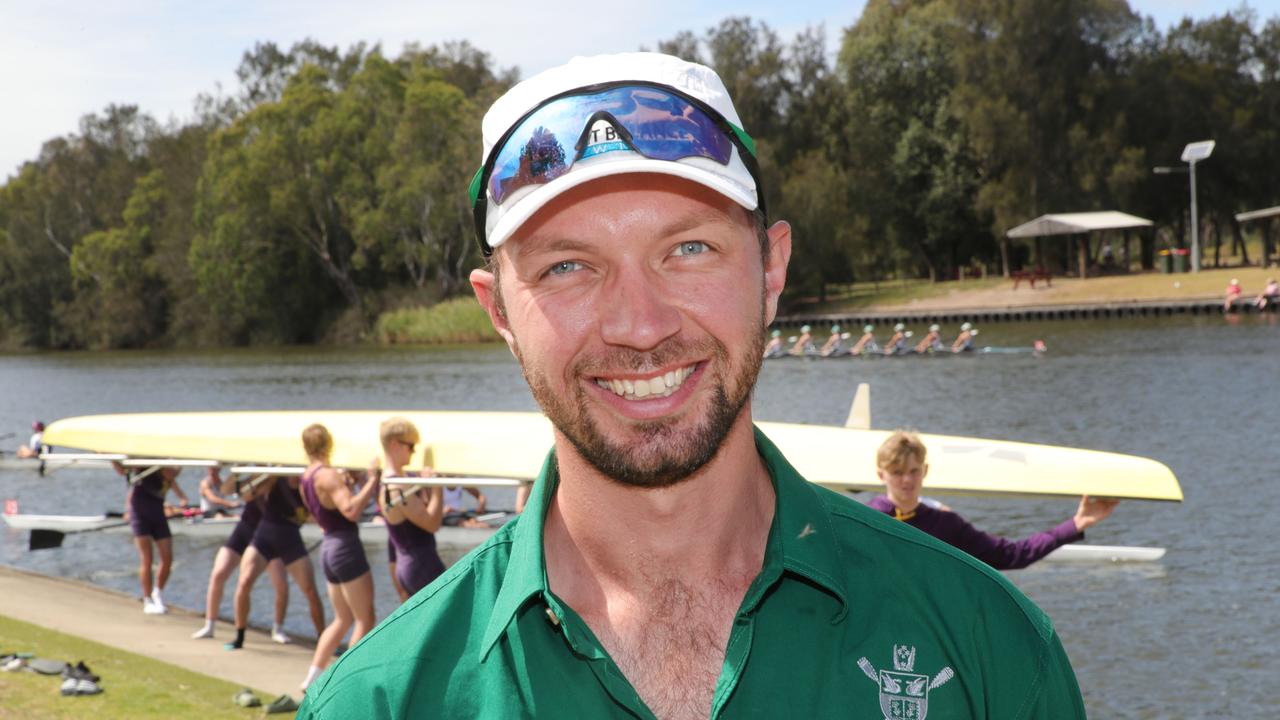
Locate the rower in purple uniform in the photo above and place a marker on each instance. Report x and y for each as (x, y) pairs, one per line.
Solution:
(412, 518)
(901, 464)
(151, 527)
(229, 556)
(328, 494)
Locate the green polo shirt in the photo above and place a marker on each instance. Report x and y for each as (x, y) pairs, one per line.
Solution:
(853, 615)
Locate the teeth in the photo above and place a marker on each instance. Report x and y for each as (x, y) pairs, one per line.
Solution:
(658, 386)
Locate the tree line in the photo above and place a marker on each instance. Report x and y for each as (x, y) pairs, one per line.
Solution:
(330, 185)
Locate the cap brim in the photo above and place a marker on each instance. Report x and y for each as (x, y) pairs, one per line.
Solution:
(529, 205)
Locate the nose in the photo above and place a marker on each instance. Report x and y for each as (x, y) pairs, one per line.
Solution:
(636, 311)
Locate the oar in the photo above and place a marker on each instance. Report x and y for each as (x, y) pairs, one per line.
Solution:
(44, 538)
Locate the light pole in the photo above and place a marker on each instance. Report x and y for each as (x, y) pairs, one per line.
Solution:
(1192, 154)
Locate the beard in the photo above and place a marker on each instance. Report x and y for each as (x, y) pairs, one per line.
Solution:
(663, 452)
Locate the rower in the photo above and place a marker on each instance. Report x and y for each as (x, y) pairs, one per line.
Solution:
(803, 344)
(832, 345)
(902, 467)
(278, 536)
(775, 348)
(145, 501)
(964, 341)
(455, 514)
(867, 343)
(932, 341)
(212, 503)
(35, 447)
(229, 556)
(1269, 295)
(897, 344)
(413, 515)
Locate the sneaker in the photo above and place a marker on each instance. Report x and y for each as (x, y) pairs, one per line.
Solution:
(83, 671)
(246, 698)
(87, 687)
(280, 637)
(69, 686)
(282, 704)
(13, 663)
(203, 633)
(150, 608)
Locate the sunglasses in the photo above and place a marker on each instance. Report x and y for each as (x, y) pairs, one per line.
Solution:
(409, 445)
(656, 121)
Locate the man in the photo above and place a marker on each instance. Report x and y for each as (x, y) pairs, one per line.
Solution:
(930, 342)
(35, 447)
(671, 563)
(902, 467)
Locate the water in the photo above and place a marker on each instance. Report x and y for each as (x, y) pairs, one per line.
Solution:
(1192, 636)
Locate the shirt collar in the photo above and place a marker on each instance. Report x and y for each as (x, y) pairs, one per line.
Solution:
(801, 541)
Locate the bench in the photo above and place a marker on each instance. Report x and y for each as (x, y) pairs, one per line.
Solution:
(1031, 276)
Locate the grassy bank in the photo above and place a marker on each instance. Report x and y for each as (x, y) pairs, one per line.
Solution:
(133, 686)
(1000, 293)
(460, 320)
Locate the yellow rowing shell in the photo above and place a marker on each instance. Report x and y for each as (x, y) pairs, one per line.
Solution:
(514, 445)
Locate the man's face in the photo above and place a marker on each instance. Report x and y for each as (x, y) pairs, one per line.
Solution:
(637, 306)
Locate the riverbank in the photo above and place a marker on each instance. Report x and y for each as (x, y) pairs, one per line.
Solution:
(989, 294)
(115, 620)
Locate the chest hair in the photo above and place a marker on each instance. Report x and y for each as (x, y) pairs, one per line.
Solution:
(670, 643)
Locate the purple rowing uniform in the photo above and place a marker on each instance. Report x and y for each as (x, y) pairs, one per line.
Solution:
(341, 553)
(279, 533)
(995, 551)
(417, 560)
(146, 507)
(242, 534)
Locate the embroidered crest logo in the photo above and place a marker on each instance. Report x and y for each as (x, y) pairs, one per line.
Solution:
(904, 693)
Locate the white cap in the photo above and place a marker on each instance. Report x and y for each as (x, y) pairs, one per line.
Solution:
(899, 327)
(935, 328)
(733, 181)
(966, 326)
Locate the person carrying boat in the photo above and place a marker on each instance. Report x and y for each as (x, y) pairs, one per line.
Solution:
(212, 503)
(277, 537)
(867, 343)
(150, 528)
(328, 494)
(804, 343)
(832, 346)
(775, 348)
(228, 559)
(897, 344)
(930, 342)
(964, 341)
(671, 563)
(35, 447)
(413, 518)
(902, 467)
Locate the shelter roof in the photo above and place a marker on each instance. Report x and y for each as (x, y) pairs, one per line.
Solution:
(1072, 223)
(1258, 214)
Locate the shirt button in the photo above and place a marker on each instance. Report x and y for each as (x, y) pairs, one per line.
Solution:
(551, 615)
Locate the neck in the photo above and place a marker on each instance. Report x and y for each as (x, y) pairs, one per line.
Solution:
(394, 469)
(905, 504)
(601, 536)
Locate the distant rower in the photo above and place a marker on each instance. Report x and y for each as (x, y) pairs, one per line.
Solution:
(932, 341)
(35, 446)
(775, 348)
(832, 346)
(803, 344)
(898, 343)
(964, 341)
(867, 343)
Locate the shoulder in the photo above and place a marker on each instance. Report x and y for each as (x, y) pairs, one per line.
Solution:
(919, 569)
(413, 653)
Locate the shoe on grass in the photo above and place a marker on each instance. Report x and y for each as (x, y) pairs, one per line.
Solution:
(246, 698)
(282, 704)
(69, 686)
(87, 687)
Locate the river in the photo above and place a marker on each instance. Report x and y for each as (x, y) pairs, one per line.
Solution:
(1192, 636)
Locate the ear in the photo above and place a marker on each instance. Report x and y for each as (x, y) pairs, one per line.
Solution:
(924, 471)
(483, 283)
(775, 275)
(881, 473)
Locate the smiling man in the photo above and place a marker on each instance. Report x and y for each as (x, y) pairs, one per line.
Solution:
(671, 563)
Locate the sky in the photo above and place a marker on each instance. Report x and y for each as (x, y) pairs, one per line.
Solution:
(61, 60)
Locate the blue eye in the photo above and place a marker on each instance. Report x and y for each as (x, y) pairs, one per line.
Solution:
(692, 247)
(564, 267)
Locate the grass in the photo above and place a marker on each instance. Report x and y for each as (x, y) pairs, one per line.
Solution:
(133, 686)
(460, 320)
(999, 293)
